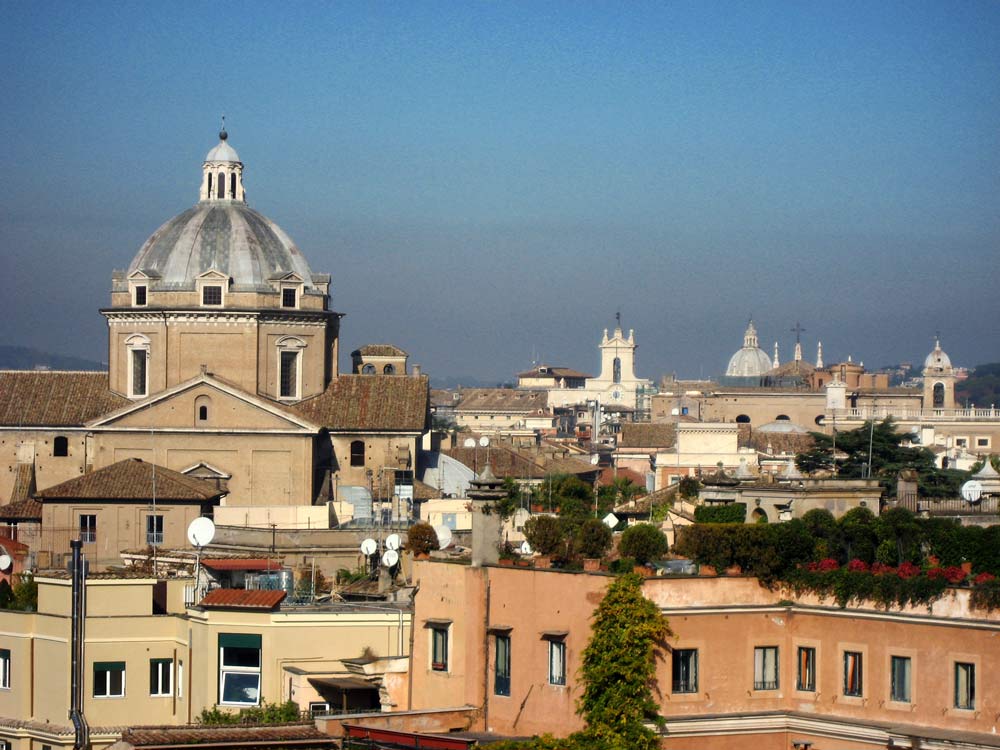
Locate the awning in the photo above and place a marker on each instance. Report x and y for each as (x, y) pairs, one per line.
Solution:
(342, 683)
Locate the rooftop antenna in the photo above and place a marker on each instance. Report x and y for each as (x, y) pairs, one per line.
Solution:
(200, 533)
(222, 130)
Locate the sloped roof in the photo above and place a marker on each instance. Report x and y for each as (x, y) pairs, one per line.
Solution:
(502, 399)
(54, 398)
(132, 479)
(24, 483)
(242, 599)
(503, 461)
(370, 403)
(379, 350)
(264, 735)
(24, 510)
(552, 372)
(245, 563)
(647, 435)
(781, 442)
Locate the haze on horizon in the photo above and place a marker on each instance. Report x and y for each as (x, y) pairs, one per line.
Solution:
(489, 183)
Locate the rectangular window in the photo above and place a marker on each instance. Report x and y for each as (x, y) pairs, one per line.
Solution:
(140, 296)
(501, 681)
(899, 679)
(211, 295)
(853, 676)
(685, 670)
(88, 528)
(239, 669)
(806, 678)
(109, 679)
(557, 663)
(5, 668)
(982, 442)
(139, 372)
(154, 529)
(289, 374)
(288, 298)
(318, 708)
(765, 668)
(439, 648)
(161, 672)
(965, 685)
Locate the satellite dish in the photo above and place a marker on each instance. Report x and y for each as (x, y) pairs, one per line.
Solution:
(5, 562)
(443, 535)
(525, 548)
(469, 443)
(201, 532)
(484, 441)
(369, 547)
(610, 520)
(594, 459)
(390, 558)
(392, 542)
(972, 491)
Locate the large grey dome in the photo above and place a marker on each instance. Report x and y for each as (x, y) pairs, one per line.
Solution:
(226, 236)
(750, 361)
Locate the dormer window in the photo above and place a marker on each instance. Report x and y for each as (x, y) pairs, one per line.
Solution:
(211, 295)
(289, 297)
(140, 296)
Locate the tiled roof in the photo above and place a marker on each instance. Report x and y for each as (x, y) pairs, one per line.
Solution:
(379, 350)
(370, 402)
(23, 510)
(24, 483)
(568, 465)
(552, 372)
(503, 461)
(502, 399)
(54, 398)
(132, 479)
(265, 735)
(647, 435)
(781, 442)
(609, 474)
(13, 547)
(242, 599)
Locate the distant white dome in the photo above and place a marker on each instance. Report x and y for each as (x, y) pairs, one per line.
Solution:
(783, 426)
(223, 151)
(937, 359)
(751, 360)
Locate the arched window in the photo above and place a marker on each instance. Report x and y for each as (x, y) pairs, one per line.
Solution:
(201, 408)
(137, 362)
(357, 453)
(209, 184)
(617, 370)
(60, 446)
(389, 370)
(222, 185)
(938, 395)
(232, 186)
(289, 366)
(202, 413)
(368, 369)
(759, 515)
(820, 418)
(782, 418)
(743, 419)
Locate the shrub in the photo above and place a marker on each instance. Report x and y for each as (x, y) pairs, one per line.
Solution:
(907, 570)
(858, 566)
(594, 538)
(986, 594)
(729, 513)
(544, 534)
(644, 542)
(265, 713)
(421, 538)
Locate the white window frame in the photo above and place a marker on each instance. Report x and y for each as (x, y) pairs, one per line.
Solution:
(297, 346)
(297, 289)
(159, 664)
(145, 294)
(107, 681)
(88, 532)
(227, 671)
(5, 668)
(180, 678)
(154, 537)
(133, 344)
(557, 658)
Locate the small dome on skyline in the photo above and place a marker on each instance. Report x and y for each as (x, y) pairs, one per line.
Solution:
(751, 360)
(937, 359)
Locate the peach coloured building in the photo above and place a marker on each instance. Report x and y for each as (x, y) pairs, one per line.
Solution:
(745, 666)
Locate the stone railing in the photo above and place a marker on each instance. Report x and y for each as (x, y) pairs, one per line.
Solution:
(863, 413)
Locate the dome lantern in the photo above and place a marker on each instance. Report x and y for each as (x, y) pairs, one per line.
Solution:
(222, 172)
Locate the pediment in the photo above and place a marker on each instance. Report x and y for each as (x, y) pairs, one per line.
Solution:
(139, 275)
(228, 410)
(212, 275)
(289, 276)
(203, 470)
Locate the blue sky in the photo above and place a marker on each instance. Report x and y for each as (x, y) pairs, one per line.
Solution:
(489, 183)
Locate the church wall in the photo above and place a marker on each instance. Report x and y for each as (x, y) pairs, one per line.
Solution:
(266, 469)
(312, 363)
(182, 410)
(226, 349)
(49, 469)
(118, 356)
(381, 450)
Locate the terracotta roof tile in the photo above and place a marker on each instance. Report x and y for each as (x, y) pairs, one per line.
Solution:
(132, 479)
(265, 734)
(647, 435)
(24, 510)
(247, 563)
(24, 483)
(503, 461)
(502, 399)
(552, 372)
(379, 350)
(370, 402)
(55, 398)
(242, 599)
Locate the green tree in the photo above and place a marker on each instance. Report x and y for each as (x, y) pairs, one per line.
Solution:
(421, 538)
(545, 534)
(593, 538)
(644, 542)
(688, 487)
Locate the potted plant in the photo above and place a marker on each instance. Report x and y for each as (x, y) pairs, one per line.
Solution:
(593, 540)
(421, 539)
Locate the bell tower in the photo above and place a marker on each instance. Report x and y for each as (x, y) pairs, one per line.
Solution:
(939, 379)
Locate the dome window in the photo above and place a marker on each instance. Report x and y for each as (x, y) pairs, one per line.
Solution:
(368, 369)
(389, 370)
(289, 297)
(222, 185)
(211, 295)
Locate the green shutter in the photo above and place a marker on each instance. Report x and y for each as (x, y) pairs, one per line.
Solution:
(239, 640)
(109, 666)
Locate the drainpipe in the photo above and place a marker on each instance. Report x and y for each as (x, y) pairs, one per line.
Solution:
(81, 733)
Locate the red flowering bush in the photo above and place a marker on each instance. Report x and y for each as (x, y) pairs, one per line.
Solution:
(857, 566)
(984, 578)
(827, 564)
(881, 569)
(908, 570)
(934, 573)
(954, 574)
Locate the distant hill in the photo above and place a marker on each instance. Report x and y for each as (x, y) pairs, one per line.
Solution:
(23, 358)
(981, 388)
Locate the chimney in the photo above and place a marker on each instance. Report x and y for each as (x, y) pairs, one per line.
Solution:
(416, 371)
(484, 491)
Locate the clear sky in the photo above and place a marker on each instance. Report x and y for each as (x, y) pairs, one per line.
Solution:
(488, 183)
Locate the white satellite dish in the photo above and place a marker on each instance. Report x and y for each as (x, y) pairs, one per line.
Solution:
(5, 562)
(469, 443)
(972, 491)
(525, 548)
(610, 520)
(443, 535)
(390, 558)
(201, 532)
(594, 459)
(484, 441)
(369, 547)
(392, 542)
